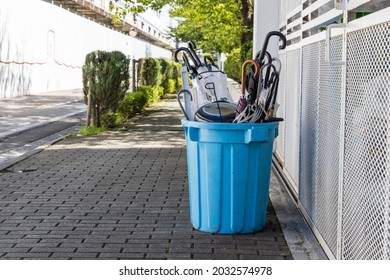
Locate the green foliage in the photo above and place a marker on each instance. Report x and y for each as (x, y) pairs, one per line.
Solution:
(138, 6)
(176, 73)
(157, 73)
(213, 25)
(153, 94)
(166, 73)
(246, 51)
(106, 77)
(149, 70)
(179, 84)
(111, 119)
(132, 104)
(232, 65)
(91, 130)
(172, 86)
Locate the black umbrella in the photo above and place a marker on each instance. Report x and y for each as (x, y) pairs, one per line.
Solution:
(261, 89)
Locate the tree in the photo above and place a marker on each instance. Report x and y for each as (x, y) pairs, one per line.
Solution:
(215, 25)
(106, 80)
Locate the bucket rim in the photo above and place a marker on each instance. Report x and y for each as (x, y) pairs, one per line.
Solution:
(230, 126)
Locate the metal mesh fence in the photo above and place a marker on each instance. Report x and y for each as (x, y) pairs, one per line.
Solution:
(309, 128)
(351, 217)
(320, 138)
(366, 223)
(281, 110)
(292, 122)
(329, 108)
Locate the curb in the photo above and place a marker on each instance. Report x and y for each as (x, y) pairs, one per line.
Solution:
(36, 147)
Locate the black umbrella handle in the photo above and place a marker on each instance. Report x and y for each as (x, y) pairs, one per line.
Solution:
(189, 53)
(266, 41)
(208, 62)
(190, 68)
(267, 54)
(192, 47)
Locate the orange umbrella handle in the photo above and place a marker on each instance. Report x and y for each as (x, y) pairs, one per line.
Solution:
(257, 70)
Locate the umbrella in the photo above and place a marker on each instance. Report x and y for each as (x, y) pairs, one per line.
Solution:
(248, 86)
(259, 105)
(209, 84)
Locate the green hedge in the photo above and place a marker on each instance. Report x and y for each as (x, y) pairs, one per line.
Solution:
(159, 72)
(149, 71)
(106, 78)
(135, 102)
(233, 64)
(132, 104)
(156, 78)
(234, 61)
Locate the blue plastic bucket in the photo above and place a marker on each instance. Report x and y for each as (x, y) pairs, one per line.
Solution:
(229, 167)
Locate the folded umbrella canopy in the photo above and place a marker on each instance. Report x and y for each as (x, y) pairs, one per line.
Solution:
(259, 104)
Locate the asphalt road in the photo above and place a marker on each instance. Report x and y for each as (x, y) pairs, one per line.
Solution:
(30, 123)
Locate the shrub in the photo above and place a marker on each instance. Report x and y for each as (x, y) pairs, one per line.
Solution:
(159, 91)
(133, 103)
(153, 94)
(246, 51)
(106, 77)
(179, 84)
(110, 120)
(149, 70)
(172, 86)
(176, 73)
(233, 64)
(166, 73)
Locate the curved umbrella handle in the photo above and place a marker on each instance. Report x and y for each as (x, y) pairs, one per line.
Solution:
(192, 47)
(268, 67)
(208, 62)
(187, 51)
(191, 44)
(257, 71)
(267, 54)
(181, 105)
(266, 40)
(191, 69)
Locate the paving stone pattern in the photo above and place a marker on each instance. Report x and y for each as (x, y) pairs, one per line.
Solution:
(118, 195)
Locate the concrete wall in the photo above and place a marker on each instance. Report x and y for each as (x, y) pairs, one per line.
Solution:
(43, 47)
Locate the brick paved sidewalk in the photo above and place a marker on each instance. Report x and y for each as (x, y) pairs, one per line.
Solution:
(118, 195)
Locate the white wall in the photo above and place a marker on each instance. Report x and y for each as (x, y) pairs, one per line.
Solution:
(266, 19)
(43, 47)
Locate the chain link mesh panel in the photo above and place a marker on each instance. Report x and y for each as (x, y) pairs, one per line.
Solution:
(309, 127)
(281, 113)
(329, 110)
(320, 140)
(366, 216)
(293, 99)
